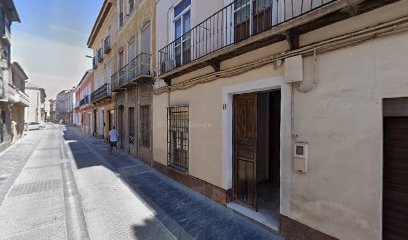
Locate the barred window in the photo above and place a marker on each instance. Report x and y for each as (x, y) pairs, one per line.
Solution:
(131, 124)
(145, 126)
(177, 137)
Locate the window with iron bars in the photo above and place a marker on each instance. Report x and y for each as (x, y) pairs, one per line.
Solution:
(131, 124)
(178, 137)
(145, 126)
(131, 6)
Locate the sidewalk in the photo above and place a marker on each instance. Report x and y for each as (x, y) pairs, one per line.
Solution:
(170, 210)
(34, 205)
(13, 159)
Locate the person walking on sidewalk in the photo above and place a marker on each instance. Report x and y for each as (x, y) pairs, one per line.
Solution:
(113, 140)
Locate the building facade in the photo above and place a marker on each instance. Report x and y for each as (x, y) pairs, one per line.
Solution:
(8, 95)
(290, 112)
(19, 78)
(83, 96)
(36, 111)
(64, 106)
(100, 40)
(132, 79)
(52, 117)
(60, 106)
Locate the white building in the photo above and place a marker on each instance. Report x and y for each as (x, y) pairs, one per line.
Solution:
(36, 111)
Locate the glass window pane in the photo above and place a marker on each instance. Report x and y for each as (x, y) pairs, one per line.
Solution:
(177, 28)
(181, 7)
(186, 22)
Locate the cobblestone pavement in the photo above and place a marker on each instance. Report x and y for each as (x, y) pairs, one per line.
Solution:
(44, 174)
(13, 160)
(124, 198)
(33, 202)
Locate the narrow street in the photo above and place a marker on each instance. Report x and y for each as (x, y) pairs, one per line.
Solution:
(59, 183)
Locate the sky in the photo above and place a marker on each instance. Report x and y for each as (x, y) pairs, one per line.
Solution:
(50, 41)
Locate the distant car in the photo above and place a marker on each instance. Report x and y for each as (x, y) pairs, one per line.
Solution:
(33, 126)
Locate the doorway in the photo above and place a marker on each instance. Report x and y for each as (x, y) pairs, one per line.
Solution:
(121, 125)
(395, 169)
(395, 186)
(111, 123)
(89, 124)
(95, 115)
(256, 152)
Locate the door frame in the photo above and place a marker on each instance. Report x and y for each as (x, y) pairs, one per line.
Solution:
(266, 84)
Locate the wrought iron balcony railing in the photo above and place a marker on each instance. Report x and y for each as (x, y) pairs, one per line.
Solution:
(24, 99)
(101, 93)
(12, 94)
(85, 101)
(107, 46)
(236, 22)
(138, 68)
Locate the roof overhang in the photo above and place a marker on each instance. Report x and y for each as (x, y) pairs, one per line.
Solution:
(11, 11)
(99, 21)
(15, 66)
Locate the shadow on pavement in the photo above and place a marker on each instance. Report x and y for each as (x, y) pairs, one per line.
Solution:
(184, 212)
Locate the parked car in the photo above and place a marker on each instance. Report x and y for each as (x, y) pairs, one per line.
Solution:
(33, 126)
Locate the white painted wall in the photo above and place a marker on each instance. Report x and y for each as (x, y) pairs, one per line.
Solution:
(33, 112)
(341, 120)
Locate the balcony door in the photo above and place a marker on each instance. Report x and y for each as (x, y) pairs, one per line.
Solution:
(182, 26)
(145, 46)
(131, 56)
(253, 16)
(121, 63)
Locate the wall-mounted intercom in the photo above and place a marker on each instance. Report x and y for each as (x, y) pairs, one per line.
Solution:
(301, 158)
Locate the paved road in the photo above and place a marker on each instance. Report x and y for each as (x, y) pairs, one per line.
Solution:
(60, 183)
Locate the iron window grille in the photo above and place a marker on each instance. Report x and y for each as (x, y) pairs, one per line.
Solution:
(131, 6)
(145, 125)
(178, 137)
(131, 119)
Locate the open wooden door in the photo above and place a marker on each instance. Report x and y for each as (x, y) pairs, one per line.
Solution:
(245, 146)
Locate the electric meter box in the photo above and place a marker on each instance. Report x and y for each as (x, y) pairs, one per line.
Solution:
(294, 69)
(301, 158)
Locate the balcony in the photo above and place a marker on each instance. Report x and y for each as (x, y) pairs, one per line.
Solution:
(247, 25)
(24, 99)
(101, 93)
(107, 46)
(7, 34)
(100, 55)
(137, 70)
(85, 101)
(12, 94)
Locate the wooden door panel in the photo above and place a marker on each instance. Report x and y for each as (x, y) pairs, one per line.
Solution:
(395, 193)
(245, 145)
(245, 183)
